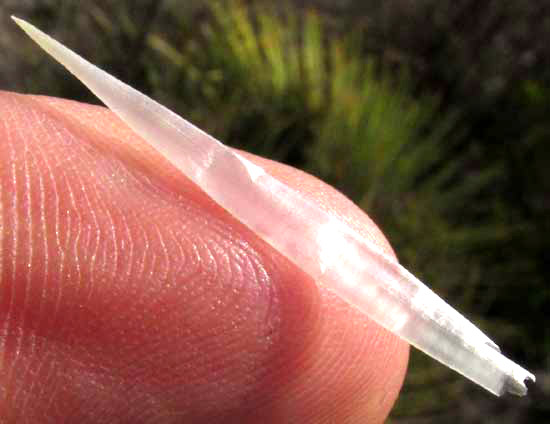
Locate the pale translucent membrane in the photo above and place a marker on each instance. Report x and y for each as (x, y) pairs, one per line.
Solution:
(324, 247)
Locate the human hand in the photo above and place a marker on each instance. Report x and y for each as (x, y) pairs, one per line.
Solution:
(128, 296)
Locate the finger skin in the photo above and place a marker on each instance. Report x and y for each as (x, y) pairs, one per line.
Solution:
(128, 296)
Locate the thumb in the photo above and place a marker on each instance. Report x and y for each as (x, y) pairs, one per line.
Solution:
(128, 296)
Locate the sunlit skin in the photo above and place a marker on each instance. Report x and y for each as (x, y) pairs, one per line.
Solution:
(128, 296)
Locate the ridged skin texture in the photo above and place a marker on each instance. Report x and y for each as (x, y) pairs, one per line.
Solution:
(128, 296)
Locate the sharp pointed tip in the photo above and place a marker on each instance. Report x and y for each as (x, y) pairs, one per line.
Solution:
(24, 25)
(17, 20)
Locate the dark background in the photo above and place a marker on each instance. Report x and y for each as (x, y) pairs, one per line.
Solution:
(432, 115)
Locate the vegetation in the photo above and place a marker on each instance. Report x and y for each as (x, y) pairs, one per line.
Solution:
(437, 131)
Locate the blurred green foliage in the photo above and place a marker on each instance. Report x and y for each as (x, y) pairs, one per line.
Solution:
(435, 129)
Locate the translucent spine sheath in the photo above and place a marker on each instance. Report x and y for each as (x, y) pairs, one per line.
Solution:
(324, 247)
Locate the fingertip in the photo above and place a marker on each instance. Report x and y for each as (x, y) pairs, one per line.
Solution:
(161, 299)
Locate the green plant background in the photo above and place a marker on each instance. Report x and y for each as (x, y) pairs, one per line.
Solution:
(432, 117)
